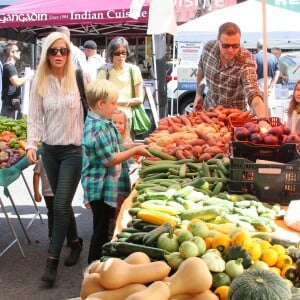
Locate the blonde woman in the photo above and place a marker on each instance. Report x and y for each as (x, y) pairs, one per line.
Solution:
(56, 117)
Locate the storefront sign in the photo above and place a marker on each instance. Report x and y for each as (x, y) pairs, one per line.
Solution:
(187, 10)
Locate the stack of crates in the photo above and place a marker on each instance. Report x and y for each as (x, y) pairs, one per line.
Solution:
(269, 181)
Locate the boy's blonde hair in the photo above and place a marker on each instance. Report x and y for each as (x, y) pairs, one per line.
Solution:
(101, 89)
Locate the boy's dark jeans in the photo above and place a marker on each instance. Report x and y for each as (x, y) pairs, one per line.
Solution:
(63, 167)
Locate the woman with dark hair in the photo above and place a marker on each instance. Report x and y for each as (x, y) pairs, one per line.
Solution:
(127, 77)
(56, 117)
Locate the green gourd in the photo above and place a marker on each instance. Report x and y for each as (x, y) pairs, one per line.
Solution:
(260, 284)
(235, 252)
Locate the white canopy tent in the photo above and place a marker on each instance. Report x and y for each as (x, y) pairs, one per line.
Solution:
(281, 24)
(256, 19)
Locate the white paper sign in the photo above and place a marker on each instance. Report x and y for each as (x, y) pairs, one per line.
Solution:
(162, 17)
(136, 8)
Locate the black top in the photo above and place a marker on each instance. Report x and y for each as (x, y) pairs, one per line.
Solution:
(9, 90)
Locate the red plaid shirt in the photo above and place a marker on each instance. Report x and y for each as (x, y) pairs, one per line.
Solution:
(232, 85)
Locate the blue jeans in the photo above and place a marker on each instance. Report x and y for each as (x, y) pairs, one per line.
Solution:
(63, 167)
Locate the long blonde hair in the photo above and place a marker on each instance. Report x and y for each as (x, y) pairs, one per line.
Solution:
(41, 81)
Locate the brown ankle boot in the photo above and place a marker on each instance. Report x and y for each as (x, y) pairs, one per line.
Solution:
(76, 248)
(51, 271)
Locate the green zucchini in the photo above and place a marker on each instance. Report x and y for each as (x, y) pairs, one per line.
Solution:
(149, 227)
(136, 238)
(151, 237)
(161, 155)
(218, 187)
(163, 167)
(125, 248)
(205, 170)
(204, 213)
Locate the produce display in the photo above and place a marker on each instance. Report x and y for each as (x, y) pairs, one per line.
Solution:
(199, 135)
(211, 243)
(277, 135)
(12, 141)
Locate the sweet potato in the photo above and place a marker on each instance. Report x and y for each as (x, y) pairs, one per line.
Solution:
(212, 150)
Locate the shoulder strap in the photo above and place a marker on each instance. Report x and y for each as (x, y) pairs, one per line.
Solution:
(132, 82)
(80, 84)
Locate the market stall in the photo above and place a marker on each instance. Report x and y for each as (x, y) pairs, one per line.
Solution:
(205, 197)
(13, 161)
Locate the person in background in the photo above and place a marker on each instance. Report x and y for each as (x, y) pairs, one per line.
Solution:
(104, 177)
(11, 82)
(293, 121)
(273, 68)
(94, 60)
(284, 74)
(39, 175)
(56, 118)
(229, 71)
(119, 72)
(78, 56)
(122, 123)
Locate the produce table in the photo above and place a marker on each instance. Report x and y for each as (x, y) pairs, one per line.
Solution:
(282, 231)
(7, 177)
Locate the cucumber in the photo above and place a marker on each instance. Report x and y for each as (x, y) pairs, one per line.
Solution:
(155, 176)
(125, 248)
(151, 237)
(136, 238)
(161, 168)
(149, 227)
(222, 167)
(218, 188)
(161, 155)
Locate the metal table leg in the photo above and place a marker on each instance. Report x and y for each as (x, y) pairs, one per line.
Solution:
(19, 218)
(9, 222)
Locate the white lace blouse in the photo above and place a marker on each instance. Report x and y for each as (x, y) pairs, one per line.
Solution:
(56, 119)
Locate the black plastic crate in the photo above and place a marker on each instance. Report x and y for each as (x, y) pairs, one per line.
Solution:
(280, 153)
(271, 183)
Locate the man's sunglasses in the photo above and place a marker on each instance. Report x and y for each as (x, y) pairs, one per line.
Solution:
(227, 46)
(62, 51)
(120, 53)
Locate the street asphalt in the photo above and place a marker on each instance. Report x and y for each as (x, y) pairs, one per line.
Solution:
(20, 276)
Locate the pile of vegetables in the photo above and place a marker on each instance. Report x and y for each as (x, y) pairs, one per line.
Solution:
(181, 211)
(12, 141)
(137, 278)
(277, 135)
(199, 135)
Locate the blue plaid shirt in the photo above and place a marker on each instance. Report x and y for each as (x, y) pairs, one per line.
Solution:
(100, 142)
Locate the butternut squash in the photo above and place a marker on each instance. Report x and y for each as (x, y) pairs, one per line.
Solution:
(116, 273)
(90, 284)
(133, 258)
(137, 258)
(117, 294)
(206, 295)
(191, 277)
(157, 290)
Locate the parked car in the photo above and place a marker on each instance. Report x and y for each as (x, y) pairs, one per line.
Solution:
(180, 99)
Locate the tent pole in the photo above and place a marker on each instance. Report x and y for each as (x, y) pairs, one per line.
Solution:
(155, 71)
(265, 55)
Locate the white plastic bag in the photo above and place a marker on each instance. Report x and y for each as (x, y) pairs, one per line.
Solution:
(292, 216)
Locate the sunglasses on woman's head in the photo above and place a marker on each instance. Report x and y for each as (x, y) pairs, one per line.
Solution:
(62, 51)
